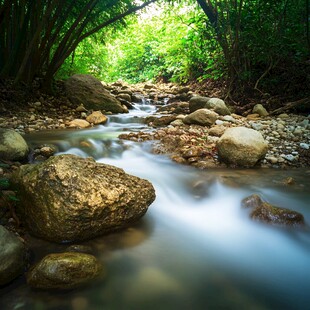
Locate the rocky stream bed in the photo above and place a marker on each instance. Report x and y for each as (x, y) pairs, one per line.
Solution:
(193, 128)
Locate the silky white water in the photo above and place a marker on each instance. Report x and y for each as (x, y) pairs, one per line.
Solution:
(195, 248)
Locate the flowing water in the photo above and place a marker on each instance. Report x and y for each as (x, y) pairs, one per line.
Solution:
(196, 248)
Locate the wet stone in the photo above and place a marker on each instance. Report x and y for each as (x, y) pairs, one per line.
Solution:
(264, 212)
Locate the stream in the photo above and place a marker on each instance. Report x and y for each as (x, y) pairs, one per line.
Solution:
(195, 248)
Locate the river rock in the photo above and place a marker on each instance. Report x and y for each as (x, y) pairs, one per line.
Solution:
(203, 117)
(12, 256)
(260, 110)
(162, 121)
(217, 130)
(12, 145)
(198, 102)
(218, 106)
(81, 108)
(215, 104)
(267, 213)
(69, 198)
(64, 271)
(124, 96)
(78, 123)
(87, 90)
(96, 118)
(242, 146)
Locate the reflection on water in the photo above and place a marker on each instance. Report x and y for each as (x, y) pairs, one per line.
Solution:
(195, 248)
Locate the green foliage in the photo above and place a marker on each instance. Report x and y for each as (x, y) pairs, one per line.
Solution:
(36, 36)
(251, 43)
(152, 47)
(265, 44)
(4, 183)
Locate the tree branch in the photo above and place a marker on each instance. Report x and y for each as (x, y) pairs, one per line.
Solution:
(290, 105)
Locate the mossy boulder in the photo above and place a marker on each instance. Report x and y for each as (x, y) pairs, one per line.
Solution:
(12, 256)
(87, 90)
(69, 198)
(264, 212)
(12, 145)
(67, 270)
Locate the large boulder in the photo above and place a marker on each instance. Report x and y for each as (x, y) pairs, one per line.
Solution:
(241, 146)
(87, 90)
(12, 256)
(265, 212)
(69, 198)
(215, 104)
(64, 271)
(12, 145)
(202, 117)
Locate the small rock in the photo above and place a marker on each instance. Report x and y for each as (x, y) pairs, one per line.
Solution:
(304, 123)
(64, 271)
(96, 118)
(218, 105)
(289, 157)
(252, 201)
(79, 123)
(12, 145)
(252, 116)
(203, 117)
(47, 151)
(177, 122)
(256, 126)
(304, 146)
(219, 122)
(260, 110)
(217, 130)
(298, 131)
(229, 118)
(283, 116)
(81, 108)
(272, 159)
(124, 96)
(267, 213)
(12, 256)
(289, 181)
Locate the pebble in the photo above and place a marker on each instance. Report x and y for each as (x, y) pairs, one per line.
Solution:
(304, 123)
(289, 157)
(229, 118)
(219, 122)
(304, 146)
(272, 159)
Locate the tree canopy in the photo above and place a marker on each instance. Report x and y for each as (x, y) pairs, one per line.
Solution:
(37, 36)
(251, 44)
